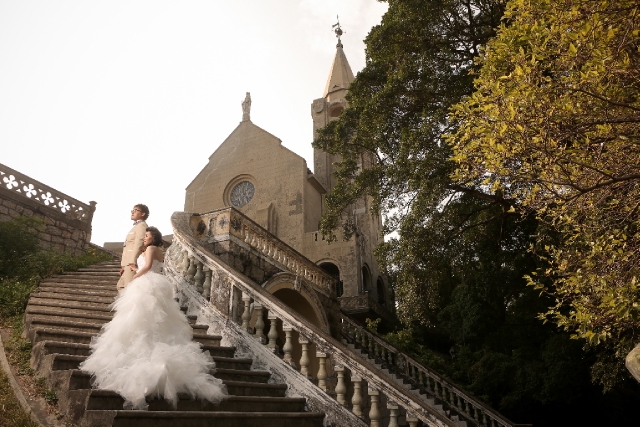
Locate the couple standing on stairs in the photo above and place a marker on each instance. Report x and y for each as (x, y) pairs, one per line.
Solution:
(146, 350)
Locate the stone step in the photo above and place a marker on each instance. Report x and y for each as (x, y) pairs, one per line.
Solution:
(66, 296)
(41, 329)
(106, 292)
(84, 280)
(34, 300)
(89, 273)
(74, 354)
(243, 375)
(97, 317)
(110, 400)
(247, 388)
(202, 419)
(79, 380)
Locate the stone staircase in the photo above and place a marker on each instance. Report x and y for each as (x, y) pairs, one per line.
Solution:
(69, 309)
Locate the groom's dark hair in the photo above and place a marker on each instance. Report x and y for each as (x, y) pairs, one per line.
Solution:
(144, 209)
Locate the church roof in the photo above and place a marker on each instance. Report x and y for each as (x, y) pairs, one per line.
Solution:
(341, 75)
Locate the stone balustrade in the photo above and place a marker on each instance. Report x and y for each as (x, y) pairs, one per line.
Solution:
(42, 194)
(425, 379)
(229, 222)
(354, 382)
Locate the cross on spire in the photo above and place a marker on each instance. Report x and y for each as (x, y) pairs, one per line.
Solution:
(338, 30)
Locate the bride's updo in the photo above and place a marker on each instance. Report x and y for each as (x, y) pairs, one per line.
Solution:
(157, 237)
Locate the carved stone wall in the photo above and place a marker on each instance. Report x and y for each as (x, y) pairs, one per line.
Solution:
(67, 221)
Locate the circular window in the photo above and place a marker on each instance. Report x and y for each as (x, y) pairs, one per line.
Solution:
(242, 193)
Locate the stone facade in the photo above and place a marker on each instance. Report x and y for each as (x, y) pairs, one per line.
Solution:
(67, 222)
(252, 172)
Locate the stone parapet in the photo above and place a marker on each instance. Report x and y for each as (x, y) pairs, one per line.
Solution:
(229, 232)
(67, 221)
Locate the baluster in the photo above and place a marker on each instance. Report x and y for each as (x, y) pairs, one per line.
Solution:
(421, 378)
(191, 271)
(304, 359)
(356, 336)
(390, 358)
(393, 415)
(259, 324)
(322, 370)
(273, 333)
(287, 348)
(207, 282)
(383, 354)
(198, 277)
(185, 263)
(363, 337)
(341, 388)
(374, 412)
(356, 400)
(372, 353)
(412, 420)
(246, 315)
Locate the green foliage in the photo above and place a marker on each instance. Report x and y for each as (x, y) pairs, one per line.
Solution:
(23, 264)
(554, 126)
(463, 243)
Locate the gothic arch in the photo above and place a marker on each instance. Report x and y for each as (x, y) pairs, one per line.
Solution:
(298, 295)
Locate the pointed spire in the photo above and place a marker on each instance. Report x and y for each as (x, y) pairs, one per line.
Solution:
(341, 75)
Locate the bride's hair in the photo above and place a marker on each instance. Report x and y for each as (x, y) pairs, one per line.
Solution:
(157, 238)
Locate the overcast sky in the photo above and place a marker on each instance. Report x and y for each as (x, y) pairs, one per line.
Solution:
(122, 102)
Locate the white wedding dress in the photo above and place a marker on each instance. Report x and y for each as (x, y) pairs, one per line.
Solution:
(146, 349)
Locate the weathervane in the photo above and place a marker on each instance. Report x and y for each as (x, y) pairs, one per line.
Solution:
(338, 30)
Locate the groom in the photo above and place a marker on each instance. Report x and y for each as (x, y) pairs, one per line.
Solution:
(133, 244)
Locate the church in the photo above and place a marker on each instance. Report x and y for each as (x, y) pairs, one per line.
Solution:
(252, 172)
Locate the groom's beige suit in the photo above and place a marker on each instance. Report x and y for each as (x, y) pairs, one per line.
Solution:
(130, 252)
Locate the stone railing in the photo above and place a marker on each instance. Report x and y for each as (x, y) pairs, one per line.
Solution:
(424, 379)
(357, 383)
(363, 303)
(42, 194)
(230, 222)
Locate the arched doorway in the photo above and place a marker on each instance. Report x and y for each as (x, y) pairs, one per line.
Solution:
(333, 270)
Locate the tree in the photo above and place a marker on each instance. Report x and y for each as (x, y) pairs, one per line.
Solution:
(418, 63)
(554, 127)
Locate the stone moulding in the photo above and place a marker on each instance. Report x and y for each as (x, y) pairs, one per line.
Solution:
(232, 224)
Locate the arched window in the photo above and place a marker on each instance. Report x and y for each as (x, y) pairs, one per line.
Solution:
(333, 270)
(381, 292)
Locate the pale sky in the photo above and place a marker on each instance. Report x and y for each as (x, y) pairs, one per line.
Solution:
(123, 102)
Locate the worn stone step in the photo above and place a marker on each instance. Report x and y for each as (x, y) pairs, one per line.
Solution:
(74, 297)
(243, 375)
(35, 300)
(71, 355)
(246, 388)
(202, 419)
(110, 400)
(106, 292)
(89, 273)
(204, 338)
(40, 322)
(232, 363)
(64, 335)
(56, 314)
(82, 281)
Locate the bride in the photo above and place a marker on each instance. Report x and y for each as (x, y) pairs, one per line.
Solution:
(146, 349)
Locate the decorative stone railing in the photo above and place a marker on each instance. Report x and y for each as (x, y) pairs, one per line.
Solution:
(231, 222)
(426, 380)
(363, 303)
(236, 305)
(42, 194)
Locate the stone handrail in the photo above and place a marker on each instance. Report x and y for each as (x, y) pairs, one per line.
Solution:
(424, 378)
(240, 300)
(229, 221)
(43, 194)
